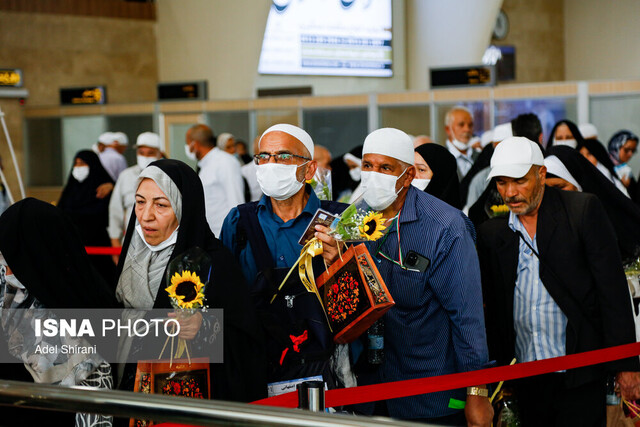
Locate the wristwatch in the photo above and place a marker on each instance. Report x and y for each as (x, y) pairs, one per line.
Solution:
(477, 391)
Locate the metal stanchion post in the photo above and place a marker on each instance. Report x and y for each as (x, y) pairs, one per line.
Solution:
(311, 396)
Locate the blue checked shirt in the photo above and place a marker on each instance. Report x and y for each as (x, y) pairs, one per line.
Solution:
(539, 323)
(437, 324)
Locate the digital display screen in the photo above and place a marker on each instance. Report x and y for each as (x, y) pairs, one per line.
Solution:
(11, 77)
(328, 37)
(83, 95)
(463, 76)
(184, 90)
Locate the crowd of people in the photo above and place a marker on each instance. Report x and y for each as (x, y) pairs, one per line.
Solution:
(524, 244)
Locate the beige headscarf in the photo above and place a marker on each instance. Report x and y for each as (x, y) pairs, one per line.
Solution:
(145, 264)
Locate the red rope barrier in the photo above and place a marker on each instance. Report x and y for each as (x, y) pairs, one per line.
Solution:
(393, 390)
(102, 250)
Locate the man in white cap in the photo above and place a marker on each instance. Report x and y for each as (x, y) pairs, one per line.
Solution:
(219, 172)
(429, 263)
(226, 142)
(478, 182)
(458, 124)
(588, 130)
(111, 157)
(553, 285)
(264, 236)
(148, 149)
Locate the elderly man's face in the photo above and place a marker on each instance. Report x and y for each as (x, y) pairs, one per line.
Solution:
(231, 146)
(389, 166)
(323, 157)
(278, 142)
(461, 127)
(523, 195)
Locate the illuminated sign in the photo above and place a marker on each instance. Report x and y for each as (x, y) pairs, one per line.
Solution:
(83, 95)
(481, 75)
(184, 90)
(11, 77)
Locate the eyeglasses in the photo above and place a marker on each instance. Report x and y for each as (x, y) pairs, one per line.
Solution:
(282, 158)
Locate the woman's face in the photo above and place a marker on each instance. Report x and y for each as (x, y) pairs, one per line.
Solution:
(561, 184)
(587, 154)
(79, 162)
(155, 213)
(563, 132)
(627, 150)
(423, 171)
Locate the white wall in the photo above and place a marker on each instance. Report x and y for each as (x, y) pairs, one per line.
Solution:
(446, 33)
(601, 39)
(214, 40)
(220, 41)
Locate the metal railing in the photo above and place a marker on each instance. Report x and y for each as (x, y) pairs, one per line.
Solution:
(171, 409)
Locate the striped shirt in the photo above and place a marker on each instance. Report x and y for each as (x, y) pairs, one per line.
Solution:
(437, 325)
(539, 323)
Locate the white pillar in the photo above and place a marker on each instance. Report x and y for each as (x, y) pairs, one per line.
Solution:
(442, 33)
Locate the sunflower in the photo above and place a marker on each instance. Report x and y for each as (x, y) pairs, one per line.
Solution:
(372, 226)
(186, 290)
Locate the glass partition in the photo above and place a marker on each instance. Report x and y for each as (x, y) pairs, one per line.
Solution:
(43, 152)
(339, 130)
(234, 122)
(267, 118)
(479, 110)
(613, 113)
(549, 111)
(79, 133)
(132, 126)
(413, 119)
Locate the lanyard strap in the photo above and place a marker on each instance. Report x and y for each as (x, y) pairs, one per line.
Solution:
(396, 220)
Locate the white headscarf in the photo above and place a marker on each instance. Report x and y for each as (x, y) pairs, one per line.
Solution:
(556, 167)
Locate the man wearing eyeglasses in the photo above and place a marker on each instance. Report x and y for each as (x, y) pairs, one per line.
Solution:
(429, 264)
(264, 237)
(219, 172)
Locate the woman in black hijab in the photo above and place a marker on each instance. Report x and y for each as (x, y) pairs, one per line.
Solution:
(597, 155)
(622, 146)
(623, 213)
(565, 132)
(43, 264)
(342, 175)
(151, 243)
(442, 168)
(89, 212)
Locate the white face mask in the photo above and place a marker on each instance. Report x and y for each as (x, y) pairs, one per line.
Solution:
(460, 145)
(144, 161)
(279, 181)
(355, 173)
(190, 154)
(568, 142)
(80, 173)
(420, 184)
(162, 245)
(380, 189)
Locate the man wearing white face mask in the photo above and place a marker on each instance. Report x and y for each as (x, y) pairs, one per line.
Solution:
(264, 237)
(148, 150)
(458, 124)
(219, 172)
(284, 162)
(429, 263)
